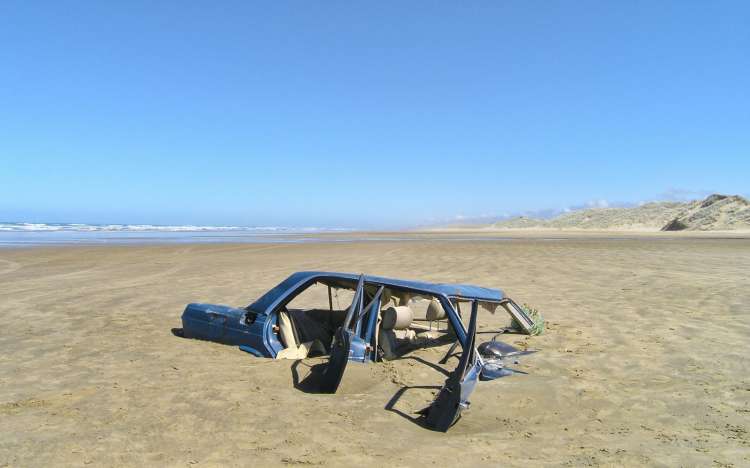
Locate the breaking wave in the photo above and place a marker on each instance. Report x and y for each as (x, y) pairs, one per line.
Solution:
(78, 227)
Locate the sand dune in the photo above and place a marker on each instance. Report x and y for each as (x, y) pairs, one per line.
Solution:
(644, 361)
(715, 213)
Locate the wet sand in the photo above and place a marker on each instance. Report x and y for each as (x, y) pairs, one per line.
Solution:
(644, 360)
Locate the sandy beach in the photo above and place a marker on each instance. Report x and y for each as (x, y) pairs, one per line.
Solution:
(644, 360)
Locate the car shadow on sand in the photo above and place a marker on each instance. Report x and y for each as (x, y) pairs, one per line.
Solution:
(415, 418)
(307, 377)
(426, 363)
(313, 376)
(418, 417)
(311, 382)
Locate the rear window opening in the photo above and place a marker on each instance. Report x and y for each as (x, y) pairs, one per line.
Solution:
(411, 321)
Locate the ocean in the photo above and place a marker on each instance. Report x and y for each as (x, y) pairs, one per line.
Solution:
(36, 234)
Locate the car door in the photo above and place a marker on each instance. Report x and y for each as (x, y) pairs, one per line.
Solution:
(454, 395)
(351, 341)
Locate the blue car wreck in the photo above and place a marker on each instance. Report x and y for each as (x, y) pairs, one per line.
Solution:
(364, 318)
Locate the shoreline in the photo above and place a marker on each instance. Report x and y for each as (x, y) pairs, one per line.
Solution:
(146, 238)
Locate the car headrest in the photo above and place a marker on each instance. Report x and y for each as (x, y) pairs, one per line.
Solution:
(435, 311)
(397, 318)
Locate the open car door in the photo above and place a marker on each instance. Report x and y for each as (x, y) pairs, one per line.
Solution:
(351, 342)
(454, 396)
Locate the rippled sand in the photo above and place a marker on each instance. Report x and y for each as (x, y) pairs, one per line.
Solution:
(644, 360)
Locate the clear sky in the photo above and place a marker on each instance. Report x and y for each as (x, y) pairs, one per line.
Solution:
(365, 114)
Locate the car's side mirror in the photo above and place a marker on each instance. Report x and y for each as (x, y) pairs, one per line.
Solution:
(492, 370)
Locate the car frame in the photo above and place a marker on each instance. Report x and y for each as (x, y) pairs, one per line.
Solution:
(259, 329)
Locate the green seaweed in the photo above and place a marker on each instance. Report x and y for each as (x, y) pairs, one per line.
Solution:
(536, 317)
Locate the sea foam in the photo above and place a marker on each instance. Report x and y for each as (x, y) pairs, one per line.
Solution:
(80, 227)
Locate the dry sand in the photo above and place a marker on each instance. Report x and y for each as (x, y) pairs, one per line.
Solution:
(644, 361)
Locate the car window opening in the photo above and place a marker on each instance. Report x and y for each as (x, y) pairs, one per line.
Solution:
(406, 321)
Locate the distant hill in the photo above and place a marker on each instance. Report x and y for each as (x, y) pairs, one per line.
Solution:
(716, 212)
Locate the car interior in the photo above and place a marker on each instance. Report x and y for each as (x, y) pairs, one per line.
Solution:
(307, 322)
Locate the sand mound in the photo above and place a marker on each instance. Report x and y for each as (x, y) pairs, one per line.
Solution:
(716, 212)
(650, 217)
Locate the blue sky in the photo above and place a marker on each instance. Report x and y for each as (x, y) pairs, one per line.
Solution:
(365, 114)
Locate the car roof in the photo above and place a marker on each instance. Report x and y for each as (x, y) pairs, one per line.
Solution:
(463, 291)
